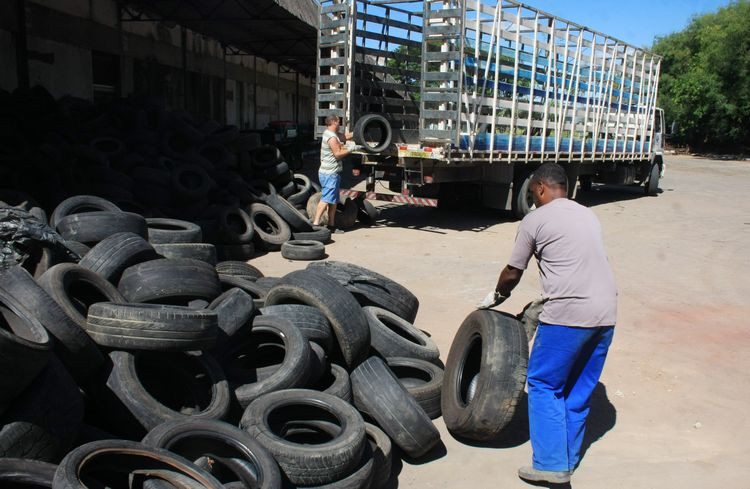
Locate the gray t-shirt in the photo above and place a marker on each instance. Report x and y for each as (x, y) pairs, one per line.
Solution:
(577, 281)
(328, 162)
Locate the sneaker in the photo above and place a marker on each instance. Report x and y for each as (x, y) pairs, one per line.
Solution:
(552, 476)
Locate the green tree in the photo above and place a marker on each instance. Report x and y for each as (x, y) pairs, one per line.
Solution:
(705, 80)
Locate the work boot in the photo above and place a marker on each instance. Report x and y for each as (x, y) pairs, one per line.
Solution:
(552, 476)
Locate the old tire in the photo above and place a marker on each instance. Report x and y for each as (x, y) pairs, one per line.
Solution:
(238, 268)
(270, 229)
(93, 227)
(196, 251)
(373, 132)
(162, 230)
(296, 221)
(303, 250)
(78, 204)
(522, 202)
(166, 281)
(319, 233)
(310, 320)
(393, 336)
(492, 347)
(111, 256)
(17, 473)
(422, 379)
(378, 393)
(652, 184)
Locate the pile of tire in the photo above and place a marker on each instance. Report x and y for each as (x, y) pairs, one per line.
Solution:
(158, 163)
(147, 363)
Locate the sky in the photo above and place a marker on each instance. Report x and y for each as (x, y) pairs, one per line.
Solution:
(636, 22)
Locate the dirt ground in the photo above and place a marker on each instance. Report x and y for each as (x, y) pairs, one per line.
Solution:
(671, 409)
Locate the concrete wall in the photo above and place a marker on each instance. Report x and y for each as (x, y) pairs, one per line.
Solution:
(243, 90)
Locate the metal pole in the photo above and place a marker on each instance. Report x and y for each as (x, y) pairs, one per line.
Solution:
(22, 55)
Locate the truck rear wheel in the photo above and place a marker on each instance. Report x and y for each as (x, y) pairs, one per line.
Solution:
(652, 184)
(523, 202)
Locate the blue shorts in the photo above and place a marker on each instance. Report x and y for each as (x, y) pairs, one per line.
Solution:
(330, 184)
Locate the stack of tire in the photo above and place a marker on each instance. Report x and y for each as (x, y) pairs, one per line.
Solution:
(154, 162)
(148, 361)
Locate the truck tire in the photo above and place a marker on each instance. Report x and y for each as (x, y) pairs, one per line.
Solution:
(340, 308)
(522, 202)
(652, 184)
(393, 336)
(194, 438)
(164, 231)
(111, 256)
(490, 348)
(304, 464)
(113, 461)
(152, 327)
(174, 280)
(303, 250)
(422, 379)
(373, 125)
(157, 386)
(378, 392)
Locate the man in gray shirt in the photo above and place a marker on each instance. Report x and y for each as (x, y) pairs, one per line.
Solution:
(576, 324)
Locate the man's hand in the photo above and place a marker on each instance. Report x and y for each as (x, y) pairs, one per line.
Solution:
(493, 299)
(348, 135)
(351, 147)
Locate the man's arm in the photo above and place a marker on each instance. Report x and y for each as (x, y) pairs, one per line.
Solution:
(336, 148)
(509, 278)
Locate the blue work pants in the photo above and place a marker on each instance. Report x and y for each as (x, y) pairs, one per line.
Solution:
(564, 368)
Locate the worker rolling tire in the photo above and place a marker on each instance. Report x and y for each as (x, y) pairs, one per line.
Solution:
(78, 204)
(489, 350)
(310, 320)
(652, 184)
(522, 202)
(238, 268)
(177, 280)
(196, 251)
(378, 392)
(340, 308)
(111, 256)
(151, 327)
(271, 230)
(393, 336)
(303, 250)
(422, 379)
(308, 465)
(162, 231)
(290, 214)
(112, 461)
(194, 438)
(373, 125)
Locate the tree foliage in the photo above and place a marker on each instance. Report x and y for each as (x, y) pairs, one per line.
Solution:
(705, 80)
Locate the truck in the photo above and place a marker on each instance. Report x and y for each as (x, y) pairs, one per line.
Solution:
(460, 100)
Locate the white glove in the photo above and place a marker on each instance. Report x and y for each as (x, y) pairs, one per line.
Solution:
(351, 146)
(493, 299)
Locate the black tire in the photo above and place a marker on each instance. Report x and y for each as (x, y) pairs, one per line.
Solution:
(392, 336)
(297, 222)
(225, 135)
(367, 213)
(16, 473)
(190, 182)
(42, 423)
(335, 381)
(522, 202)
(75, 289)
(287, 190)
(371, 288)
(342, 311)
(235, 309)
(310, 320)
(266, 156)
(111, 256)
(292, 372)
(235, 252)
(195, 438)
(238, 268)
(157, 386)
(303, 250)
(493, 347)
(422, 379)
(651, 186)
(318, 363)
(93, 227)
(270, 229)
(217, 154)
(303, 191)
(196, 251)
(174, 281)
(234, 226)
(163, 231)
(152, 327)
(378, 393)
(268, 417)
(277, 170)
(249, 287)
(72, 345)
(114, 461)
(346, 214)
(78, 248)
(312, 206)
(373, 125)
(320, 234)
(78, 204)
(382, 453)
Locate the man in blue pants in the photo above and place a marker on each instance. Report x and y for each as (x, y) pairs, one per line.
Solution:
(575, 326)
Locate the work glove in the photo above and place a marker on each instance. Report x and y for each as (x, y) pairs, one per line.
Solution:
(352, 146)
(493, 299)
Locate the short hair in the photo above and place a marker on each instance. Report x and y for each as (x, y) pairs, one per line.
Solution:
(330, 119)
(552, 175)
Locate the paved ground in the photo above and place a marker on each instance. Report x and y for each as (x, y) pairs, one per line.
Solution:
(672, 407)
